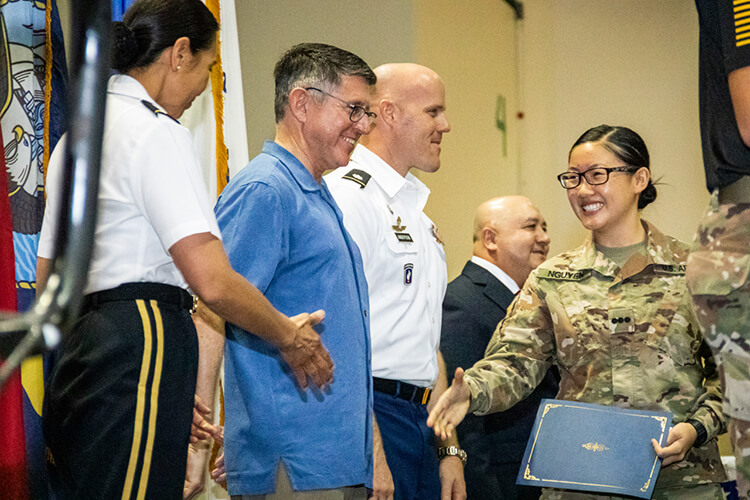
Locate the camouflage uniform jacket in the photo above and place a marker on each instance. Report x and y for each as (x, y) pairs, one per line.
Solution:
(620, 337)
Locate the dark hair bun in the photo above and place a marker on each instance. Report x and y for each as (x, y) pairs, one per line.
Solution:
(124, 47)
(149, 27)
(647, 196)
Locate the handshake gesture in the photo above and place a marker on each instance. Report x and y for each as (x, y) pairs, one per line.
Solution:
(305, 354)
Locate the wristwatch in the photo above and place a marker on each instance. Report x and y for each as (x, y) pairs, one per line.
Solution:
(452, 451)
(702, 437)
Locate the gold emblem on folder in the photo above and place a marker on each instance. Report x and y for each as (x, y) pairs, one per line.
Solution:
(594, 447)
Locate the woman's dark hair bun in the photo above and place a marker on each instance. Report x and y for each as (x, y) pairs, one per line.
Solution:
(124, 47)
(149, 27)
(647, 196)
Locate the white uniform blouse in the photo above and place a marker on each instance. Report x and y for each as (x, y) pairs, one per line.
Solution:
(151, 193)
(404, 265)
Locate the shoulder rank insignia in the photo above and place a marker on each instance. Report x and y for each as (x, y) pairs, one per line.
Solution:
(156, 110)
(359, 176)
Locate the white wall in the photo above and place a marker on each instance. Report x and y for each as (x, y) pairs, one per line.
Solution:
(569, 65)
(632, 63)
(378, 32)
(473, 46)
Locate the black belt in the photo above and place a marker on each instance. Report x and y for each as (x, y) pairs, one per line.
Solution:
(409, 392)
(147, 291)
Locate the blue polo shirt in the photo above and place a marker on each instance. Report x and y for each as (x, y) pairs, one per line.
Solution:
(284, 232)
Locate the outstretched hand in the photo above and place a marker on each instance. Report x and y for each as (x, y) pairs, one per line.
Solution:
(451, 408)
(679, 441)
(306, 355)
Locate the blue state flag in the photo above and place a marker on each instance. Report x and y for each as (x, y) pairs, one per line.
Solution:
(31, 122)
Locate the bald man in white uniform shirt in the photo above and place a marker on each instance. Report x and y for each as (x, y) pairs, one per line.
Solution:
(406, 273)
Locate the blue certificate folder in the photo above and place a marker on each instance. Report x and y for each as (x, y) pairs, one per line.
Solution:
(582, 446)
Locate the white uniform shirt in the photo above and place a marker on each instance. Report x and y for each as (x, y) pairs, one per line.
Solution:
(151, 193)
(404, 265)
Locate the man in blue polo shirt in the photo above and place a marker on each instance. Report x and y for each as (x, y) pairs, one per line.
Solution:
(285, 234)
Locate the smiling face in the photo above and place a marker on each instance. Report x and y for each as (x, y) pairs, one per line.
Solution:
(330, 136)
(422, 123)
(511, 233)
(609, 210)
(523, 242)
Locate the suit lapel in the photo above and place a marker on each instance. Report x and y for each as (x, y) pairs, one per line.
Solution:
(493, 287)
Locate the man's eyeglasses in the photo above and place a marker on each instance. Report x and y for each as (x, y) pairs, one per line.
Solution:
(357, 112)
(594, 176)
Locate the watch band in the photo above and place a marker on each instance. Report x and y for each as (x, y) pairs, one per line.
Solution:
(701, 430)
(452, 451)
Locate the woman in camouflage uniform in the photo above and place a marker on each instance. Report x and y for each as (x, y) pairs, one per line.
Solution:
(615, 317)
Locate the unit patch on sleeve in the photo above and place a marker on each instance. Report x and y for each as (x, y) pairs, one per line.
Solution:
(408, 273)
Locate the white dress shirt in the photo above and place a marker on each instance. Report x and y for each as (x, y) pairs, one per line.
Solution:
(497, 273)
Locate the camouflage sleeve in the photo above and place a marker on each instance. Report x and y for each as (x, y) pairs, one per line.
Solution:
(708, 408)
(518, 356)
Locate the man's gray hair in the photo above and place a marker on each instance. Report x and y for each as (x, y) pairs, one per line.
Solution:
(313, 64)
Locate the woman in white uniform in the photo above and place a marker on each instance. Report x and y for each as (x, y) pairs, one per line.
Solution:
(119, 401)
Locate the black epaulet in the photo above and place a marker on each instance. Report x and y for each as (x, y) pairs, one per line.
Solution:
(359, 176)
(156, 111)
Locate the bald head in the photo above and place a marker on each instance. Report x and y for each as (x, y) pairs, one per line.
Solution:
(497, 212)
(410, 102)
(511, 233)
(396, 80)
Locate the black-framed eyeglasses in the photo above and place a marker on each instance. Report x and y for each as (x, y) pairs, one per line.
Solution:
(357, 112)
(594, 176)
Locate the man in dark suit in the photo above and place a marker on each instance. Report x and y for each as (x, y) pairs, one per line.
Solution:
(510, 239)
